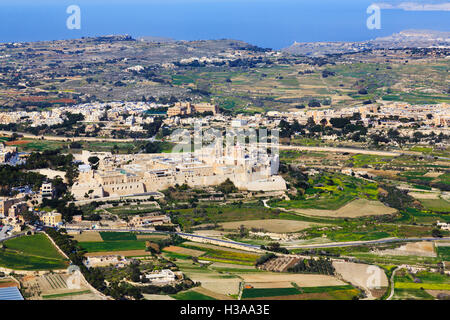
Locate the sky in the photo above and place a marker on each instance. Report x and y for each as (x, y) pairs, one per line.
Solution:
(267, 23)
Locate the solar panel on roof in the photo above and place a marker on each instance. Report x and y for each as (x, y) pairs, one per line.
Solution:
(10, 293)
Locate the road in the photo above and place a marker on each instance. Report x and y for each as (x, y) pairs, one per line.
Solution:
(166, 232)
(343, 150)
(359, 243)
(325, 245)
(392, 282)
(282, 147)
(56, 138)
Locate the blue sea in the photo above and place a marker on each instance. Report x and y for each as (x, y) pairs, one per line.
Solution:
(267, 23)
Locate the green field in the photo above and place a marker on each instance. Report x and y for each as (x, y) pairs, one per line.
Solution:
(115, 236)
(331, 192)
(408, 286)
(269, 292)
(426, 286)
(61, 295)
(191, 295)
(36, 245)
(132, 210)
(443, 253)
(412, 294)
(34, 252)
(325, 289)
(227, 256)
(360, 160)
(106, 246)
(437, 205)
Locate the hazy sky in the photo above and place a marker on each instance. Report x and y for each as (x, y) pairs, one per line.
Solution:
(268, 23)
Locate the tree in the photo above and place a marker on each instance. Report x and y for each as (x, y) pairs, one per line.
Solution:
(314, 104)
(226, 187)
(339, 122)
(436, 233)
(242, 231)
(94, 161)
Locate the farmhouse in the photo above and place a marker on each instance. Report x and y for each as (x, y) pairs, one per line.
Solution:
(163, 276)
(103, 261)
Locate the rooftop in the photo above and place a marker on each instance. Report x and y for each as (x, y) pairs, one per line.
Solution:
(10, 293)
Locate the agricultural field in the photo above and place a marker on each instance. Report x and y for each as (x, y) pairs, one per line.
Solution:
(436, 205)
(343, 292)
(184, 251)
(123, 211)
(30, 145)
(191, 295)
(191, 218)
(118, 236)
(362, 160)
(112, 246)
(91, 236)
(416, 286)
(119, 243)
(360, 275)
(355, 209)
(125, 253)
(34, 252)
(301, 280)
(331, 192)
(50, 287)
(225, 255)
(443, 252)
(424, 249)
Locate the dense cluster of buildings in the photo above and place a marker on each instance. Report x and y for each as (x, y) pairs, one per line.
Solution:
(389, 114)
(187, 108)
(119, 175)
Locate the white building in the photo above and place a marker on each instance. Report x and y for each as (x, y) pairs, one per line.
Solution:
(162, 276)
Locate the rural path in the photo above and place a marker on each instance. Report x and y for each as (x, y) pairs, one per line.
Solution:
(337, 149)
(392, 282)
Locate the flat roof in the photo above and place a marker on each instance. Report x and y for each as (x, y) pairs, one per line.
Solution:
(10, 293)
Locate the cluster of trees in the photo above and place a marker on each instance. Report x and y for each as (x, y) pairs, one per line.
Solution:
(396, 198)
(339, 127)
(174, 240)
(61, 205)
(11, 177)
(153, 147)
(275, 247)
(53, 159)
(168, 289)
(264, 258)
(153, 128)
(320, 266)
(227, 187)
